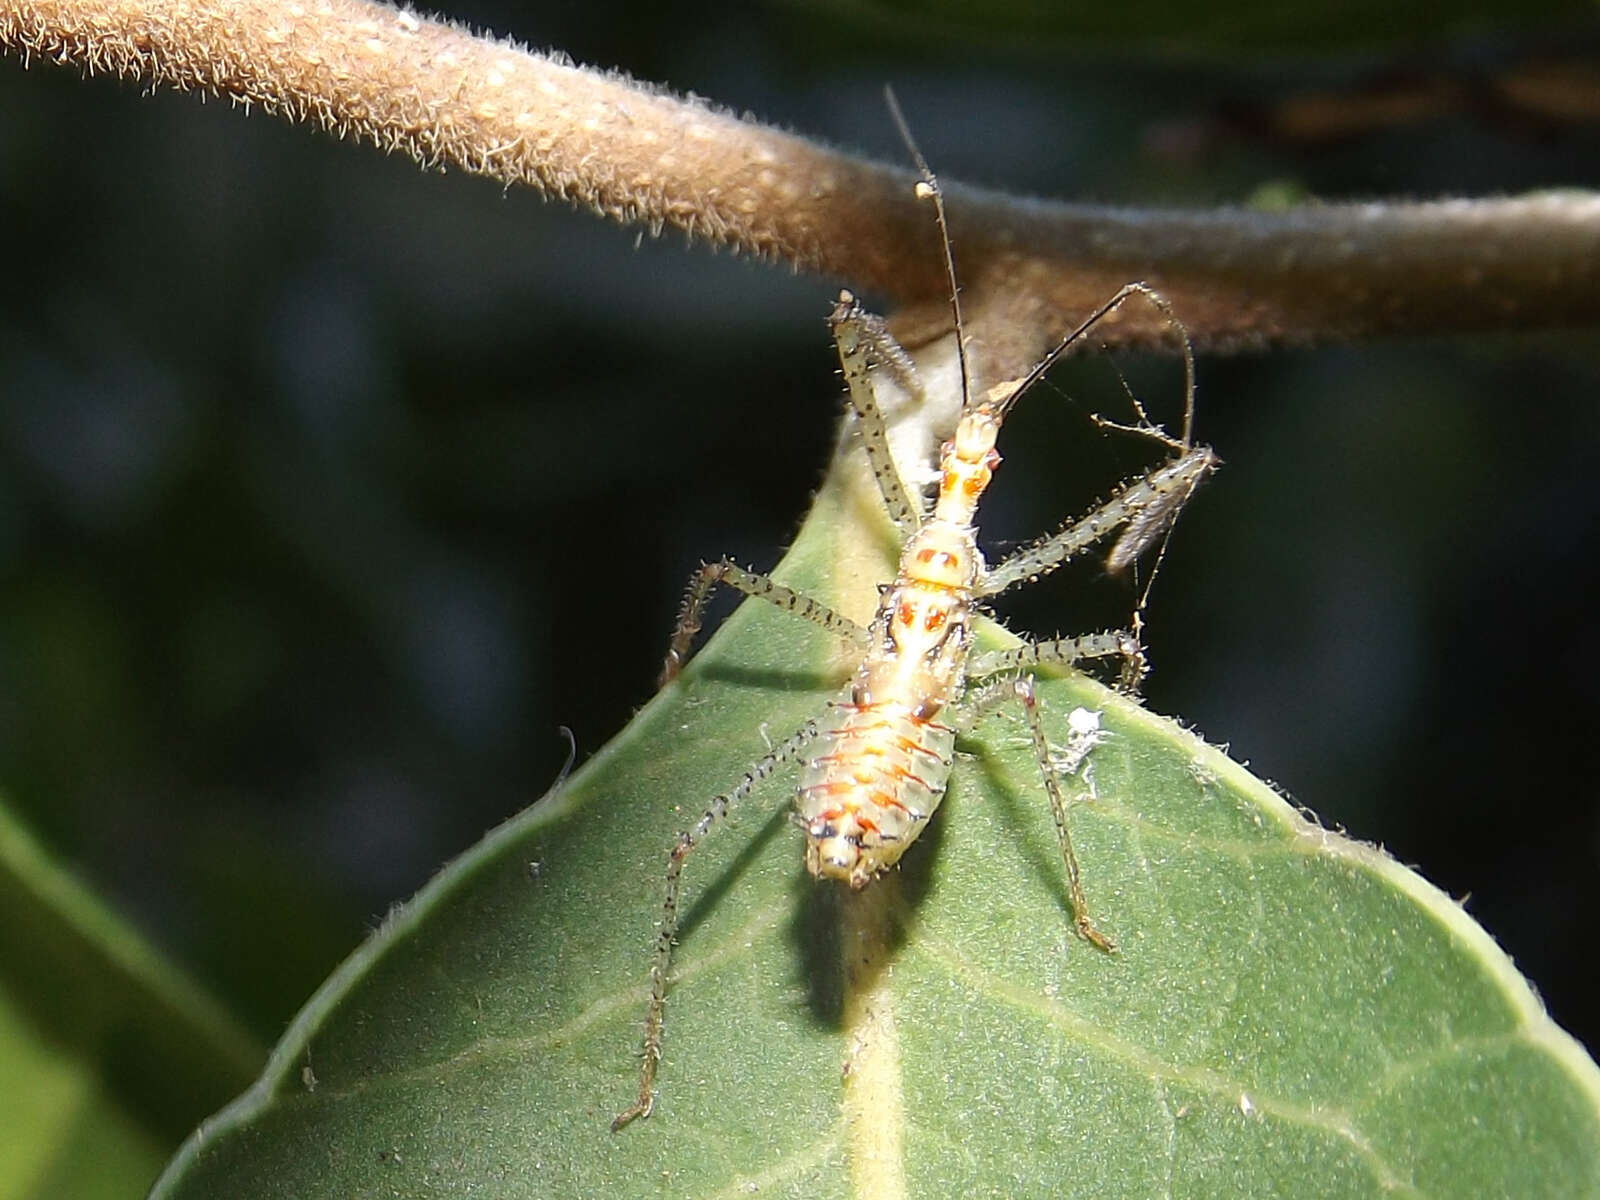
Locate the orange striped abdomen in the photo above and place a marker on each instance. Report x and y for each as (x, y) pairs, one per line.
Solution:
(869, 792)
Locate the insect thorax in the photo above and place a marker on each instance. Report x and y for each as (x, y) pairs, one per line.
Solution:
(922, 633)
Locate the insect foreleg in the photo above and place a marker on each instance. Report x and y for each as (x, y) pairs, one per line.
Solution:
(859, 336)
(661, 960)
(1145, 506)
(751, 583)
(1155, 517)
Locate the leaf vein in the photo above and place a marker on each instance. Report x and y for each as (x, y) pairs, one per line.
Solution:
(1323, 1118)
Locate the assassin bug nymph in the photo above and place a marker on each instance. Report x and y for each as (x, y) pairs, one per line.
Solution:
(885, 745)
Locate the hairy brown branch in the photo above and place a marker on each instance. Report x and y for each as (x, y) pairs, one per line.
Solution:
(641, 155)
(1239, 278)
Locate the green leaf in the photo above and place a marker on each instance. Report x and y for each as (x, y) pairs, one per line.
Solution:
(107, 1053)
(1289, 1013)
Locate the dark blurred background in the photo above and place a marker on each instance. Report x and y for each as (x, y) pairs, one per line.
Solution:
(330, 488)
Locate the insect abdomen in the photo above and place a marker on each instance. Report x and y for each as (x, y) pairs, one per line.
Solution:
(867, 795)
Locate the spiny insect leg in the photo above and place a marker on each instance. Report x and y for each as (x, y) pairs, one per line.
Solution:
(661, 960)
(1058, 807)
(859, 336)
(1145, 506)
(1169, 493)
(990, 694)
(751, 583)
(1063, 652)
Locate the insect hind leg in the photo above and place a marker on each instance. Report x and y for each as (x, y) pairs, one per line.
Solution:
(661, 959)
(1005, 687)
(1023, 689)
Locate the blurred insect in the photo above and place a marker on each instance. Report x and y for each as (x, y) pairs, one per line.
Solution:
(885, 746)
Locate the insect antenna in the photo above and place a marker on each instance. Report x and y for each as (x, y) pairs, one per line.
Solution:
(928, 189)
